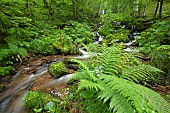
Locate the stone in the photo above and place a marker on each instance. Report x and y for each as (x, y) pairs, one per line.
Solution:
(58, 69)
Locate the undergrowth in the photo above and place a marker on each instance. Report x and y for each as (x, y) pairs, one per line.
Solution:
(113, 81)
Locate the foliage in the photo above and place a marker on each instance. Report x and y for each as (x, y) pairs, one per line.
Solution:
(49, 107)
(154, 42)
(62, 41)
(37, 99)
(58, 69)
(8, 56)
(161, 59)
(112, 29)
(112, 81)
(155, 36)
(79, 32)
(5, 70)
(121, 35)
(12, 51)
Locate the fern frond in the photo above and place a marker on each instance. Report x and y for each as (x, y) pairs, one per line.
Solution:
(129, 59)
(140, 97)
(139, 72)
(110, 61)
(86, 68)
(89, 85)
(118, 104)
(93, 105)
(79, 75)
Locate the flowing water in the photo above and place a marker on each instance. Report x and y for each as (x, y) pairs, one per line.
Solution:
(11, 100)
(133, 36)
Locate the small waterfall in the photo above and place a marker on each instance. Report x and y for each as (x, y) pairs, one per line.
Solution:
(132, 38)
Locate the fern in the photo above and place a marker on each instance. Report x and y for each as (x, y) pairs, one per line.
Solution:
(117, 103)
(139, 72)
(89, 85)
(93, 105)
(85, 67)
(140, 97)
(110, 61)
(116, 86)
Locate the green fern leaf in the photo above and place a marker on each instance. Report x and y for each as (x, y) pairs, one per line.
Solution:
(79, 75)
(140, 97)
(13, 48)
(85, 67)
(86, 84)
(118, 104)
(139, 73)
(22, 52)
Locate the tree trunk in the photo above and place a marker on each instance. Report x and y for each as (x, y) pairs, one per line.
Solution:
(28, 7)
(159, 5)
(160, 9)
(136, 10)
(45, 4)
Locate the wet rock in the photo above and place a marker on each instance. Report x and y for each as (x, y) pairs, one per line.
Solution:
(58, 69)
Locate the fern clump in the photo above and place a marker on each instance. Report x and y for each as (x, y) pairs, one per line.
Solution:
(114, 80)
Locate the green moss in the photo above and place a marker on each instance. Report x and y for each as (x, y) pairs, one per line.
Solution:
(37, 99)
(58, 69)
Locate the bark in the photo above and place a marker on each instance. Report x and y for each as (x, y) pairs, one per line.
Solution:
(160, 9)
(159, 6)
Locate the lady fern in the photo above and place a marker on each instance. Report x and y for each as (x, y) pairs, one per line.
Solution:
(113, 79)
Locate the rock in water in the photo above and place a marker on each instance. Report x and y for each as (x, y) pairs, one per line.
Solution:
(58, 69)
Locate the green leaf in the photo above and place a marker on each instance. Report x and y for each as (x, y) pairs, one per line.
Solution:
(50, 106)
(87, 94)
(37, 110)
(13, 48)
(22, 52)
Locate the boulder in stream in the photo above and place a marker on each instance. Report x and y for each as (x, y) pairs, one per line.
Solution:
(58, 69)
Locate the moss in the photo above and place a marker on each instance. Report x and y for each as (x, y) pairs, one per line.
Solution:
(37, 99)
(58, 69)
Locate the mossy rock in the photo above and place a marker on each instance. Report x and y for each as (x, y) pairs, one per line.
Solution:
(58, 69)
(37, 99)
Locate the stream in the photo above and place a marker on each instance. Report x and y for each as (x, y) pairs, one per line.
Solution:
(11, 100)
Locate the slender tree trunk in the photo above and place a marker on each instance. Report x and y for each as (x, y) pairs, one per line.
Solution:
(136, 10)
(159, 5)
(144, 12)
(160, 9)
(28, 7)
(156, 10)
